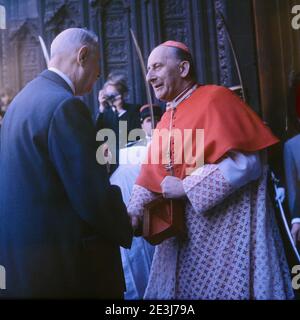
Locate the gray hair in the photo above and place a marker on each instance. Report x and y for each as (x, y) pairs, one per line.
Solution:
(72, 39)
(117, 80)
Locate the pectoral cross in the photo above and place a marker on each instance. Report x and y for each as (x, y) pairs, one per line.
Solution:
(169, 166)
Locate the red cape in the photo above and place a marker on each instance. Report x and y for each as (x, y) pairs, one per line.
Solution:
(228, 123)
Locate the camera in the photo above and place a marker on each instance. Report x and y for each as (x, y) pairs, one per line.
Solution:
(110, 99)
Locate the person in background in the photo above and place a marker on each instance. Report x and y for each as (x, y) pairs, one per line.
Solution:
(292, 175)
(292, 158)
(113, 109)
(6, 96)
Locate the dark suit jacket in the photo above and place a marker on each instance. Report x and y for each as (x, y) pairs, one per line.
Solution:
(110, 120)
(61, 223)
(292, 174)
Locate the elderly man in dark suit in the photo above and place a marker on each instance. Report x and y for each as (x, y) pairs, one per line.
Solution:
(61, 222)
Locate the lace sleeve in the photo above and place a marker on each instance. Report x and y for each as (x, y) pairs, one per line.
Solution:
(139, 197)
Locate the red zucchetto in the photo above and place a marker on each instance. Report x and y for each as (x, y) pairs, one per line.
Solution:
(176, 44)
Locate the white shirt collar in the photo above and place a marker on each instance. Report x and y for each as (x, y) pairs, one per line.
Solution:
(65, 77)
(186, 93)
(121, 113)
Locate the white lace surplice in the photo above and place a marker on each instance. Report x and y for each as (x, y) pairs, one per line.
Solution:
(233, 248)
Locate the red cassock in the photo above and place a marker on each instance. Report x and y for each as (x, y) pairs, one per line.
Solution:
(228, 123)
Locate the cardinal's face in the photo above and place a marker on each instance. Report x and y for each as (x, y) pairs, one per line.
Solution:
(164, 73)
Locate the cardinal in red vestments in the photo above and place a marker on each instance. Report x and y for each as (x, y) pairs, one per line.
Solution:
(210, 150)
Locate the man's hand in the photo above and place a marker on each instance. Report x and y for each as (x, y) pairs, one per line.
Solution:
(137, 224)
(296, 232)
(172, 188)
(135, 221)
(101, 99)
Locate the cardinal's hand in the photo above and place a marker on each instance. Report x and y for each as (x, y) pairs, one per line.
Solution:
(172, 188)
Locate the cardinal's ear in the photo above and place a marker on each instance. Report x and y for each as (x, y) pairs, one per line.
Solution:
(184, 68)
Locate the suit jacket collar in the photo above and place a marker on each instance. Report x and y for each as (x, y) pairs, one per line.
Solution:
(52, 76)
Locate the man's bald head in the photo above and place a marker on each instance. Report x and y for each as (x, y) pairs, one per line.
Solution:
(70, 40)
(75, 52)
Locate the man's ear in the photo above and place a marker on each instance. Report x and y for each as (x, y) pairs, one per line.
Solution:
(184, 68)
(82, 55)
